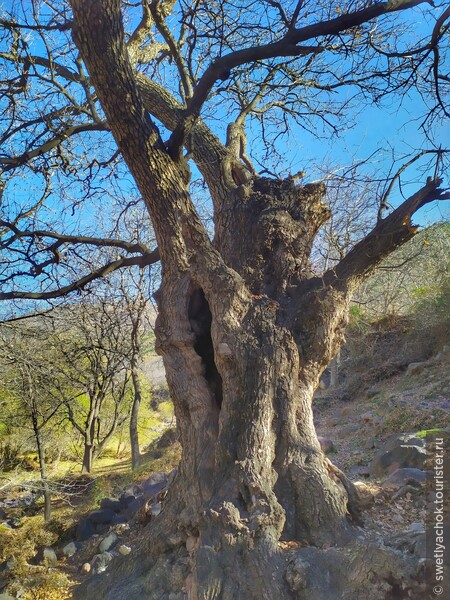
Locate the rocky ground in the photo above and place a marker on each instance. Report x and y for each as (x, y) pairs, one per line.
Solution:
(382, 439)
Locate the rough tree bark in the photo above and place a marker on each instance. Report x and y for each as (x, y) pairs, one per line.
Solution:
(245, 333)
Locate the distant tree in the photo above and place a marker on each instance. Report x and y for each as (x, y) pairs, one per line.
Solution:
(29, 379)
(244, 327)
(93, 341)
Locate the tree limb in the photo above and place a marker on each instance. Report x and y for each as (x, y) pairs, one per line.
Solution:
(141, 261)
(390, 232)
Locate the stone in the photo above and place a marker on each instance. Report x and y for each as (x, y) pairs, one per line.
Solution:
(102, 528)
(124, 550)
(134, 506)
(404, 476)
(403, 491)
(85, 568)
(416, 526)
(154, 484)
(119, 519)
(416, 368)
(85, 529)
(399, 452)
(326, 445)
(191, 543)
(46, 556)
(168, 438)
(113, 504)
(156, 509)
(409, 542)
(373, 391)
(6, 596)
(125, 499)
(14, 523)
(348, 429)
(108, 542)
(103, 516)
(70, 549)
(100, 562)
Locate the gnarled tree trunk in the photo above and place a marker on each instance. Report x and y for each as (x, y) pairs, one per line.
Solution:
(245, 332)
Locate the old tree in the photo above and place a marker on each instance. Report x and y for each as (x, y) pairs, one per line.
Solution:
(245, 327)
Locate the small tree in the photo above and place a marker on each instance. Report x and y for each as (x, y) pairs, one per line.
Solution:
(31, 382)
(94, 343)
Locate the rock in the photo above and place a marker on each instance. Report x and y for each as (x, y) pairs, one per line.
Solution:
(134, 506)
(156, 509)
(125, 499)
(46, 556)
(108, 542)
(3, 514)
(404, 476)
(359, 471)
(6, 596)
(416, 368)
(371, 443)
(111, 503)
(103, 516)
(14, 523)
(100, 562)
(399, 452)
(417, 526)
(348, 429)
(85, 568)
(121, 528)
(119, 520)
(373, 391)
(406, 489)
(168, 438)
(124, 550)
(70, 549)
(409, 542)
(154, 484)
(191, 543)
(84, 530)
(102, 528)
(326, 445)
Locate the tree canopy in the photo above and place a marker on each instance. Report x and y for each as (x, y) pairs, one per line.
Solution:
(231, 86)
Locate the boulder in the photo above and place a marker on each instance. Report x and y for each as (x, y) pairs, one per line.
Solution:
(405, 476)
(124, 550)
(100, 562)
(70, 549)
(134, 506)
(168, 438)
(125, 499)
(404, 450)
(45, 556)
(416, 368)
(103, 516)
(84, 530)
(113, 504)
(85, 568)
(119, 519)
(155, 484)
(108, 542)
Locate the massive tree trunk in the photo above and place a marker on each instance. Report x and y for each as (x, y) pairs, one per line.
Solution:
(245, 332)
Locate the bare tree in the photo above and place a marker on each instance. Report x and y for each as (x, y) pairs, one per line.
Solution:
(93, 341)
(245, 331)
(30, 379)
